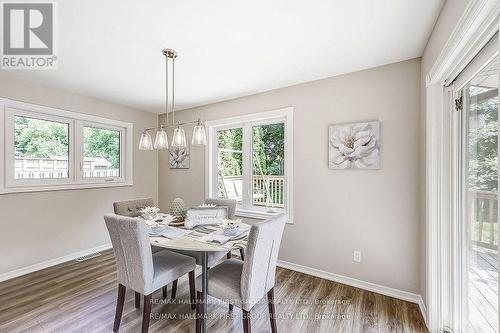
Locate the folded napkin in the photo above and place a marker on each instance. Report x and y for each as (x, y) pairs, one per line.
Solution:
(168, 232)
(216, 238)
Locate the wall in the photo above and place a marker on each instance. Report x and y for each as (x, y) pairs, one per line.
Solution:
(447, 20)
(338, 211)
(40, 226)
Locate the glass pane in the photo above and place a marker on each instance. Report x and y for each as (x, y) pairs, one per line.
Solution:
(101, 152)
(481, 151)
(230, 164)
(268, 155)
(41, 149)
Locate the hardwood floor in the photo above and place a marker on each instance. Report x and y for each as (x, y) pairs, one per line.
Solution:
(81, 297)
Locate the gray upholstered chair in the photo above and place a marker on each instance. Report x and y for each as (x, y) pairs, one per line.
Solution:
(131, 208)
(214, 257)
(138, 268)
(244, 283)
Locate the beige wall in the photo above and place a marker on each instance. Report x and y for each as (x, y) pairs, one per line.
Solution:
(338, 211)
(40, 226)
(447, 20)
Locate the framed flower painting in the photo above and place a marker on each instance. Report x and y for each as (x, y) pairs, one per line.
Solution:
(354, 146)
(178, 158)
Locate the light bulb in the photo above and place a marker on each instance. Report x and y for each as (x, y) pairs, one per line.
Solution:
(145, 143)
(199, 136)
(179, 138)
(161, 140)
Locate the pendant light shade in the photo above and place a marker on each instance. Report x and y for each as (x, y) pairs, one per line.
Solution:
(179, 139)
(161, 140)
(145, 143)
(199, 136)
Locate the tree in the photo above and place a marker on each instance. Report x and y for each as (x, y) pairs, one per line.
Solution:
(40, 138)
(102, 143)
(483, 145)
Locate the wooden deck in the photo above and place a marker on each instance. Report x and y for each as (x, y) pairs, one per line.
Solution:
(483, 291)
(81, 297)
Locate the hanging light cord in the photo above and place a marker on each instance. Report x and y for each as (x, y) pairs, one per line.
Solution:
(166, 87)
(173, 90)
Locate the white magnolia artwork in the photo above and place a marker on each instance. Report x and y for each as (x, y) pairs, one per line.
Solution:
(178, 158)
(354, 146)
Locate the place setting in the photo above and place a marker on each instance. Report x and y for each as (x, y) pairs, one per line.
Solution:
(206, 223)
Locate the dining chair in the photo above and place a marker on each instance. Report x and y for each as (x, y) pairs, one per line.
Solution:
(131, 208)
(244, 283)
(138, 268)
(231, 210)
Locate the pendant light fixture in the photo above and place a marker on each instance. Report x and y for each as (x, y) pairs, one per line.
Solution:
(179, 137)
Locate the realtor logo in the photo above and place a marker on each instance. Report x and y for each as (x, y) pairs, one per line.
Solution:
(28, 35)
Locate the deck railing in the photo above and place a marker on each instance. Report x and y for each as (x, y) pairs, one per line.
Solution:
(483, 210)
(268, 191)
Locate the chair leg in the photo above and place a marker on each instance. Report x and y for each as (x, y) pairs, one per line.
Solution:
(198, 312)
(230, 307)
(119, 307)
(174, 289)
(272, 310)
(192, 290)
(164, 292)
(228, 256)
(146, 313)
(137, 300)
(247, 326)
(242, 254)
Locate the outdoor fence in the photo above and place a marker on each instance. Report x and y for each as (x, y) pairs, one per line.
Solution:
(483, 210)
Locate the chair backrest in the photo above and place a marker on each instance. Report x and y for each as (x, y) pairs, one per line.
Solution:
(261, 257)
(134, 261)
(131, 207)
(229, 203)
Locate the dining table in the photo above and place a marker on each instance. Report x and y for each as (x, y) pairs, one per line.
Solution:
(195, 240)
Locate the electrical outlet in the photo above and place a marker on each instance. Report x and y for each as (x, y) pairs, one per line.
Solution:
(357, 256)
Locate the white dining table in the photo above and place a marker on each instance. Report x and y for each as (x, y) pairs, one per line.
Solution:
(189, 243)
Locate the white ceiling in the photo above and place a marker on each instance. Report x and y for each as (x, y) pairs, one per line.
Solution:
(227, 48)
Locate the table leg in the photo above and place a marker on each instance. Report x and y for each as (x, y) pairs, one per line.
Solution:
(204, 290)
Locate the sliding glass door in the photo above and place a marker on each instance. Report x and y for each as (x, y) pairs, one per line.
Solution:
(478, 101)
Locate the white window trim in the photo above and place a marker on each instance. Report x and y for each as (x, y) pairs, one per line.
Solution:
(268, 117)
(474, 29)
(76, 121)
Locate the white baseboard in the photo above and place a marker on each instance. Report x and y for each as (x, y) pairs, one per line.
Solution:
(399, 294)
(51, 262)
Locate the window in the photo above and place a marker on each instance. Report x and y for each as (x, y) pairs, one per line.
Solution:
(249, 160)
(48, 149)
(101, 152)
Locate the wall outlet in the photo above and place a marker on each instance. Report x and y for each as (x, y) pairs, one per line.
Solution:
(357, 256)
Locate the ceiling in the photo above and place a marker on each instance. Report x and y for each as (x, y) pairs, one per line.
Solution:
(111, 49)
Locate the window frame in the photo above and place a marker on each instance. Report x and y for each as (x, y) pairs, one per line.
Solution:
(247, 122)
(76, 121)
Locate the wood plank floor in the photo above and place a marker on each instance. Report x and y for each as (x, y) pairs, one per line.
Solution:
(483, 291)
(80, 297)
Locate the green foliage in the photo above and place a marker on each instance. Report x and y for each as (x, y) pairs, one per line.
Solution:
(230, 162)
(44, 139)
(269, 149)
(40, 138)
(483, 145)
(103, 143)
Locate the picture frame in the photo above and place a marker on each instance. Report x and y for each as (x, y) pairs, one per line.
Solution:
(354, 145)
(179, 158)
(206, 215)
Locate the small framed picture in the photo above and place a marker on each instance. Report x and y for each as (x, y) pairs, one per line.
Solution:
(178, 158)
(354, 146)
(206, 215)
